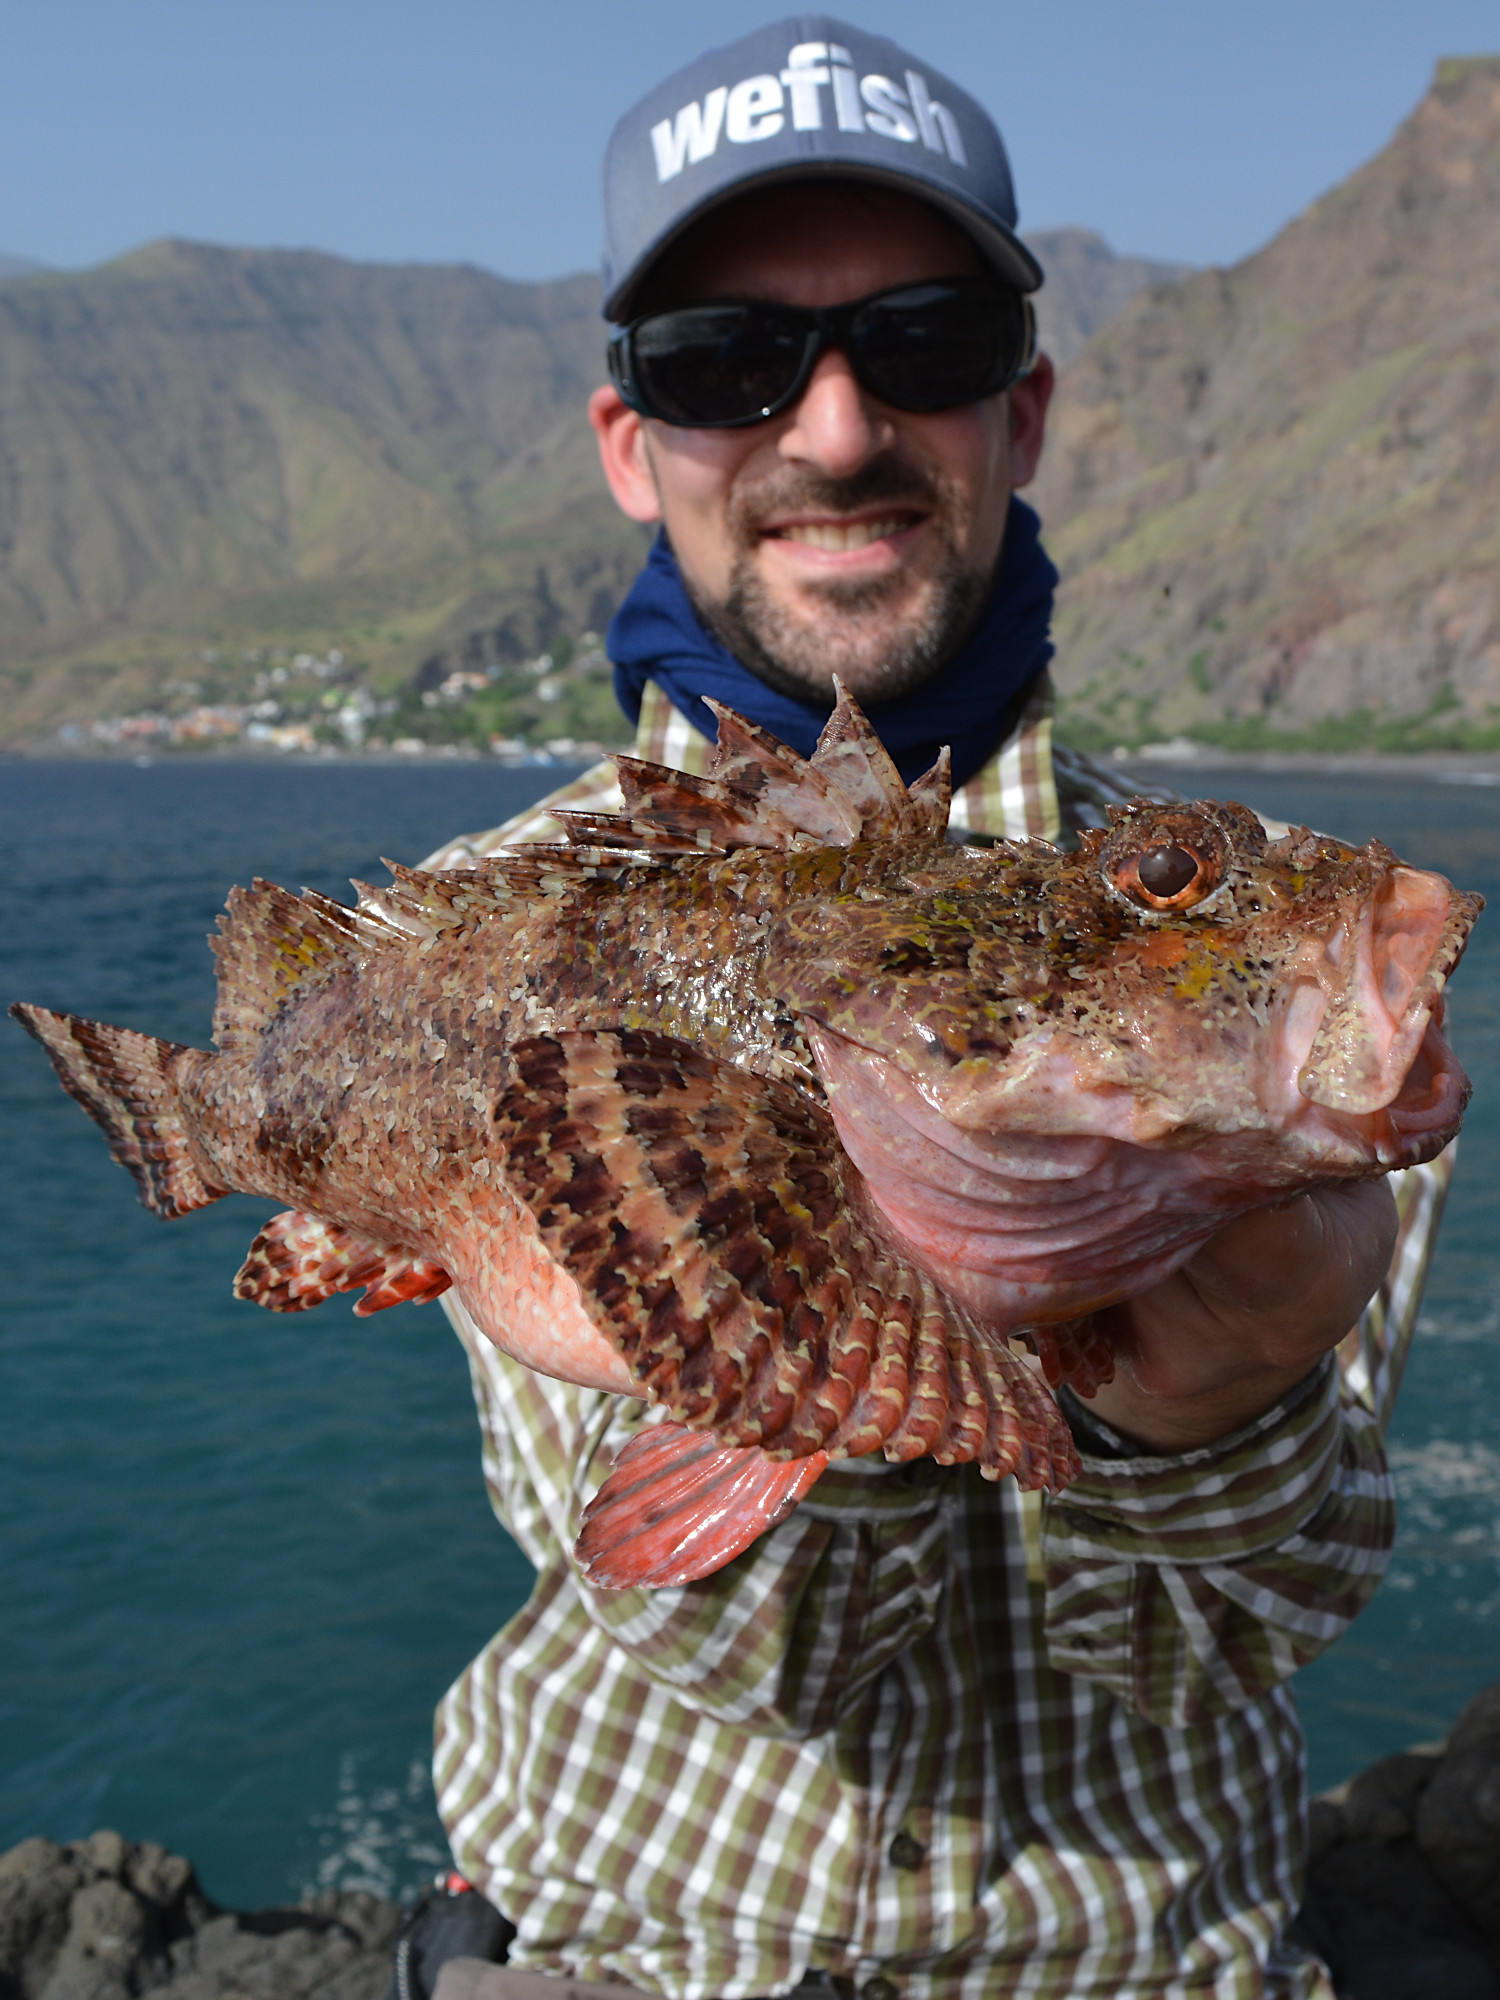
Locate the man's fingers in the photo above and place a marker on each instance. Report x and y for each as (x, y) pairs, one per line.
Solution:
(1299, 1273)
(1241, 1323)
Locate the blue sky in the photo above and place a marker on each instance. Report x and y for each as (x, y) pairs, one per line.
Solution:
(471, 130)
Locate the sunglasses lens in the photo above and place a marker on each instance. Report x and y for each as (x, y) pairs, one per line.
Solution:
(932, 347)
(716, 364)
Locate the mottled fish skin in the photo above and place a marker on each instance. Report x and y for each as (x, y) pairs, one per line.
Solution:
(765, 1103)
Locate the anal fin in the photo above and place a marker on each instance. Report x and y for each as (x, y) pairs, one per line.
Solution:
(299, 1260)
(679, 1506)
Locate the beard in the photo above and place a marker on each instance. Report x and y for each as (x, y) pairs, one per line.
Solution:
(870, 632)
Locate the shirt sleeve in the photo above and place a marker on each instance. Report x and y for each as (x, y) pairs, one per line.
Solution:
(1192, 1584)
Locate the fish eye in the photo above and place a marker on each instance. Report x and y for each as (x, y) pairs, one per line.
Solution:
(1167, 871)
(1168, 876)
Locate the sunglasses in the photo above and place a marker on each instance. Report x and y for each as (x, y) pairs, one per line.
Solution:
(917, 347)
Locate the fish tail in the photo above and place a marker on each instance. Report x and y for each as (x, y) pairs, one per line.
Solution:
(128, 1083)
(679, 1505)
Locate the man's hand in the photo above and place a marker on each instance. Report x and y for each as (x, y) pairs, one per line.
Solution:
(1247, 1318)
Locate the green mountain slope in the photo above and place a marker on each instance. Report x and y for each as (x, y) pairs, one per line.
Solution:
(207, 448)
(209, 456)
(1275, 490)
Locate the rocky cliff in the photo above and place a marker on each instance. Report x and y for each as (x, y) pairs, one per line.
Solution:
(104, 1918)
(1274, 489)
(1087, 286)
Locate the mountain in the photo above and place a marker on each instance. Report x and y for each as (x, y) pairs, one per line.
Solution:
(211, 451)
(210, 455)
(18, 267)
(1273, 490)
(1087, 286)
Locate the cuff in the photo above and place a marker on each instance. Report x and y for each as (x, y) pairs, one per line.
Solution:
(1221, 1503)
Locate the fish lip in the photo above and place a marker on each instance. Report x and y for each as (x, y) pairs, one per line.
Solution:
(1361, 1055)
(1417, 1119)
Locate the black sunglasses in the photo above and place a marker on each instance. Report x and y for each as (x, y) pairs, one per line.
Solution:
(917, 347)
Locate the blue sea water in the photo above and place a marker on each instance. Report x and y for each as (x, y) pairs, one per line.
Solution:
(244, 1554)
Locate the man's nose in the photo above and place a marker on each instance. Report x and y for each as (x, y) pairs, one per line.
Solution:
(836, 426)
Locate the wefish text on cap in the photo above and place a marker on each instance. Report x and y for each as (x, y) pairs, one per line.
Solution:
(806, 97)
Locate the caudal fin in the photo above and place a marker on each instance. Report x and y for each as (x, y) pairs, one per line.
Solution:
(127, 1082)
(679, 1505)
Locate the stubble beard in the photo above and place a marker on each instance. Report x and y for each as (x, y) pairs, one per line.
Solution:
(858, 630)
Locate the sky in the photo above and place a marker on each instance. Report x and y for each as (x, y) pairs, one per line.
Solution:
(472, 130)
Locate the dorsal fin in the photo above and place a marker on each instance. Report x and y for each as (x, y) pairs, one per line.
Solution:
(613, 830)
(271, 944)
(760, 793)
(857, 764)
(705, 810)
(932, 793)
(427, 903)
(753, 761)
(379, 910)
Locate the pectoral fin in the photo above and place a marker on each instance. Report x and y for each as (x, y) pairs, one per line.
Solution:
(298, 1261)
(679, 1505)
(722, 1242)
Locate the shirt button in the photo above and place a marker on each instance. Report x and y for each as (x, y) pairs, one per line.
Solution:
(906, 1852)
(879, 1989)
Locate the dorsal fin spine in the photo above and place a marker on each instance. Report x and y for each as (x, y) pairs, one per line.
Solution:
(759, 792)
(271, 944)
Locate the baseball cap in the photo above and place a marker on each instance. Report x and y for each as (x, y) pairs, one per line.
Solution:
(809, 96)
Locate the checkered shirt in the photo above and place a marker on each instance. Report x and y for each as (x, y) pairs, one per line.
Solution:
(932, 1735)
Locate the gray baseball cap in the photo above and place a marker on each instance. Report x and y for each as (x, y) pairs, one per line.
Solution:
(806, 97)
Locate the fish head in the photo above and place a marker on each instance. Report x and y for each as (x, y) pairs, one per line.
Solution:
(1184, 1016)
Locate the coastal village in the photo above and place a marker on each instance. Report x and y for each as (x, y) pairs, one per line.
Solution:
(557, 707)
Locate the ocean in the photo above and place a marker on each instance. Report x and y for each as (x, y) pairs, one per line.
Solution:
(245, 1553)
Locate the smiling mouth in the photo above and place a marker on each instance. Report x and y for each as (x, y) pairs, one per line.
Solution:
(838, 537)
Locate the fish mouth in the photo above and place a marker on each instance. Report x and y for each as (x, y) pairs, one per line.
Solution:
(1432, 1099)
(1364, 1031)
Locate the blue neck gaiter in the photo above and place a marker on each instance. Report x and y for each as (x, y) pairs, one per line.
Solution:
(656, 635)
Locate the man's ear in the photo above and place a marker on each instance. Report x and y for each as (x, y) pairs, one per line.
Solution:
(1028, 420)
(622, 453)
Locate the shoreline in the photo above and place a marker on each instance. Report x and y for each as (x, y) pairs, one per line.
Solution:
(1456, 767)
(1453, 767)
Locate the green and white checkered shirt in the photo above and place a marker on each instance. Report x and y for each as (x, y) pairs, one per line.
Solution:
(932, 1735)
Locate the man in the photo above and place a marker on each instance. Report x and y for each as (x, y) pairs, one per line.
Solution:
(929, 1736)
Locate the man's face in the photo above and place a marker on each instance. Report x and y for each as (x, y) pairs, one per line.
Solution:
(843, 536)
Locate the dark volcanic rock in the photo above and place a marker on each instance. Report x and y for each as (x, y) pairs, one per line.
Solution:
(1458, 1815)
(1388, 1930)
(1403, 1888)
(102, 1919)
